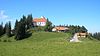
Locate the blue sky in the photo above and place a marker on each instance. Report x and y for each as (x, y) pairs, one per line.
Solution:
(74, 12)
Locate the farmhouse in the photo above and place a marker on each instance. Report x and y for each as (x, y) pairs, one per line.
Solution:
(81, 34)
(60, 29)
(39, 21)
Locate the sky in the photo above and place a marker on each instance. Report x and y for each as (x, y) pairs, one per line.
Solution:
(59, 12)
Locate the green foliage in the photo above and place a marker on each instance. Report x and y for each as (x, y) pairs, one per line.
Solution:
(4, 29)
(83, 29)
(22, 26)
(5, 38)
(96, 35)
(48, 26)
(1, 29)
(38, 28)
(76, 29)
(20, 29)
(15, 28)
(5, 41)
(29, 21)
(8, 29)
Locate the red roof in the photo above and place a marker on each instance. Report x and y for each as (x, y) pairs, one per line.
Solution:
(39, 19)
(61, 28)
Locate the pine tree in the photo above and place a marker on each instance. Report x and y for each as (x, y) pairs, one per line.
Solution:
(48, 26)
(20, 29)
(29, 21)
(15, 28)
(84, 29)
(76, 29)
(17, 31)
(4, 29)
(8, 29)
(96, 35)
(1, 29)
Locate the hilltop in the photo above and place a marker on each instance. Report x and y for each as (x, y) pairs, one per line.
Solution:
(49, 44)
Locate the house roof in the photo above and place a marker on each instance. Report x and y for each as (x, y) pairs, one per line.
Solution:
(42, 19)
(82, 34)
(61, 28)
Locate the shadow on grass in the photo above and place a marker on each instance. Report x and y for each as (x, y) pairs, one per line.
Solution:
(26, 35)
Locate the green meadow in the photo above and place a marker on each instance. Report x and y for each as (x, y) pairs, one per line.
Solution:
(48, 44)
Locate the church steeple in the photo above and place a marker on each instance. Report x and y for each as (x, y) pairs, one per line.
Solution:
(42, 17)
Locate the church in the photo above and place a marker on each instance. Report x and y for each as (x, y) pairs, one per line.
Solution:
(40, 21)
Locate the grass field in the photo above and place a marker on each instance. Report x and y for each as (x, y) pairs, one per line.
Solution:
(49, 44)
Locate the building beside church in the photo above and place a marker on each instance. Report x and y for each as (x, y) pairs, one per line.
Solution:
(60, 29)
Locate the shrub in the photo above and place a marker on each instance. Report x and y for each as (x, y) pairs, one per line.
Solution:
(9, 40)
(0, 40)
(4, 40)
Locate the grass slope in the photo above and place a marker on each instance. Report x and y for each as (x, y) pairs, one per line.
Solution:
(49, 44)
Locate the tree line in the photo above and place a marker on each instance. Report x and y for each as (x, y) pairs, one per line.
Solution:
(95, 35)
(74, 28)
(23, 28)
(6, 29)
(20, 29)
(77, 29)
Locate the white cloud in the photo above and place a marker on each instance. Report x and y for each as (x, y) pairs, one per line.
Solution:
(2, 15)
(5, 17)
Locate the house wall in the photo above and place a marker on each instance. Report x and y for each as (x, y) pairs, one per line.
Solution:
(81, 34)
(40, 23)
(54, 29)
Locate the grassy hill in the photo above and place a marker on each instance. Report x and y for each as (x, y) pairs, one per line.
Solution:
(49, 44)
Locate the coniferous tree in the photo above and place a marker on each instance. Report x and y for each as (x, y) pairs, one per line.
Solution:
(16, 23)
(1, 29)
(29, 21)
(23, 23)
(77, 29)
(20, 29)
(84, 29)
(16, 28)
(96, 35)
(8, 29)
(4, 29)
(48, 26)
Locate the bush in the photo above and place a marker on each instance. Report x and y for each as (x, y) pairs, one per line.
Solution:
(0, 40)
(4, 40)
(9, 40)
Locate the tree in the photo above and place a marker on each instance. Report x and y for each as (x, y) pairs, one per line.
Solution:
(8, 29)
(48, 26)
(16, 24)
(15, 28)
(4, 29)
(29, 22)
(20, 29)
(84, 29)
(96, 35)
(77, 29)
(1, 29)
